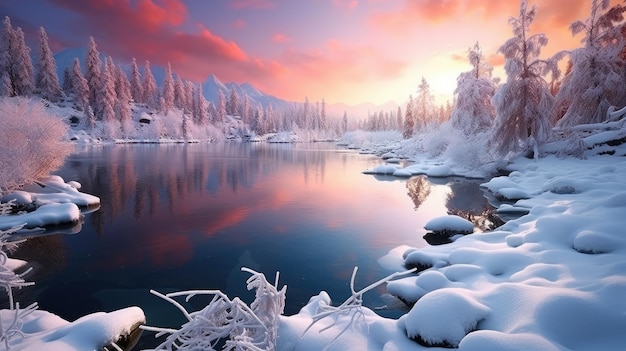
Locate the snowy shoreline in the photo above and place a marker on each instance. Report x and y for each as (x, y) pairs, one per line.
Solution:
(552, 279)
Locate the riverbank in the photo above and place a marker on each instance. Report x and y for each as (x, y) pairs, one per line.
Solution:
(552, 279)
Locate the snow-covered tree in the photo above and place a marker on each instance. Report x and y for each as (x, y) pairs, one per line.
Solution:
(93, 72)
(179, 93)
(399, 119)
(323, 118)
(200, 105)
(136, 89)
(122, 102)
(232, 108)
(596, 80)
(409, 120)
(67, 80)
(150, 91)
(35, 148)
(47, 81)
(423, 105)
(6, 88)
(473, 110)
(523, 103)
(221, 106)
(105, 99)
(80, 88)
(23, 81)
(167, 92)
(344, 122)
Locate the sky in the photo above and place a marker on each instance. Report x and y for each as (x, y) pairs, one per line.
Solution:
(349, 51)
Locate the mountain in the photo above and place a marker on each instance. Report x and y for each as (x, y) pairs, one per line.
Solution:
(212, 85)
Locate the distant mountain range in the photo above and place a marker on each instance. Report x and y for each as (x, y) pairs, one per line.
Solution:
(212, 85)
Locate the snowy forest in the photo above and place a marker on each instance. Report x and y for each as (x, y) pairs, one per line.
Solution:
(570, 106)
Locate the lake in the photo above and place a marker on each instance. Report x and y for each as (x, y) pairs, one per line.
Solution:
(189, 216)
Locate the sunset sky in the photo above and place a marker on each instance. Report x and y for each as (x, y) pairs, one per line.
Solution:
(349, 51)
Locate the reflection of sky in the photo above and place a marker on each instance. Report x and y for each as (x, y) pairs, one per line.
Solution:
(188, 217)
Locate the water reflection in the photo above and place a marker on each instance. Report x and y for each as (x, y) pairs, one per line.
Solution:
(177, 217)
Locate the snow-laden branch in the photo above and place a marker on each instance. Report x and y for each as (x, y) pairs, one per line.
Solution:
(351, 306)
(239, 326)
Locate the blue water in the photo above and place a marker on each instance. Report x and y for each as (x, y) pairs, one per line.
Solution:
(177, 217)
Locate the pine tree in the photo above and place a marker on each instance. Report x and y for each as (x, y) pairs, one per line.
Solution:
(93, 72)
(221, 106)
(399, 119)
(150, 92)
(409, 120)
(80, 88)
(105, 99)
(344, 122)
(179, 93)
(323, 119)
(7, 46)
(122, 102)
(168, 91)
(67, 80)
(47, 80)
(524, 102)
(201, 106)
(23, 83)
(6, 88)
(232, 108)
(473, 110)
(91, 118)
(596, 79)
(136, 89)
(423, 105)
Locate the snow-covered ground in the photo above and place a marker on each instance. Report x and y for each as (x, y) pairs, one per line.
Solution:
(553, 279)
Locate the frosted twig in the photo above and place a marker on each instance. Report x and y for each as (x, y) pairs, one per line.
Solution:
(351, 306)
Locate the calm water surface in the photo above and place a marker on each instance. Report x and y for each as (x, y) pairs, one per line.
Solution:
(178, 217)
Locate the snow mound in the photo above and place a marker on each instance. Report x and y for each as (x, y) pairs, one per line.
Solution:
(382, 170)
(439, 171)
(444, 317)
(45, 331)
(450, 224)
(50, 214)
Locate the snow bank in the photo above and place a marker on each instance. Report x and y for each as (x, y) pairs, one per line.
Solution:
(49, 214)
(45, 331)
(552, 279)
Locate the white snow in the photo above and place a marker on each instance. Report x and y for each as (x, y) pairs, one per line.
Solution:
(450, 223)
(46, 331)
(49, 214)
(56, 202)
(552, 279)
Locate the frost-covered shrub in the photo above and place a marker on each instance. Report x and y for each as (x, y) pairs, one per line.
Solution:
(239, 326)
(31, 143)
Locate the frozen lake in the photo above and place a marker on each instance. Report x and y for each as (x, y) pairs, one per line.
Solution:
(177, 217)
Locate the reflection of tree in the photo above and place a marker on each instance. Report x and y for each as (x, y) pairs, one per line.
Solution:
(467, 200)
(418, 188)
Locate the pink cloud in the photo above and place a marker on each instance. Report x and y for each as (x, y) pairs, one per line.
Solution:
(149, 31)
(239, 23)
(346, 4)
(280, 38)
(252, 4)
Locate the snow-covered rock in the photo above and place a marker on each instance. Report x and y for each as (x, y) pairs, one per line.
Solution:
(45, 331)
(450, 224)
(443, 317)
